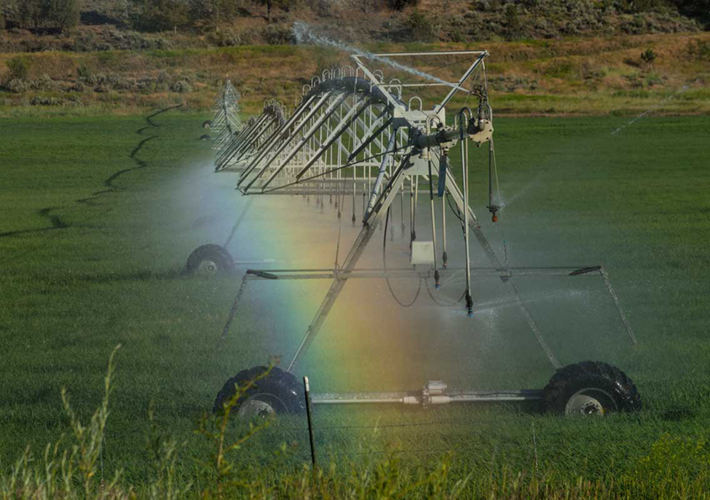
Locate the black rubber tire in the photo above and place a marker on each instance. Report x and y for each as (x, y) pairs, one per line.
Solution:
(207, 124)
(593, 375)
(214, 253)
(278, 385)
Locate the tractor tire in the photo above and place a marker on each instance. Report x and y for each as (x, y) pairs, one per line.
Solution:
(209, 260)
(276, 394)
(590, 388)
(207, 124)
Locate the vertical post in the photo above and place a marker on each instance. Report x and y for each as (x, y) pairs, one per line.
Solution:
(416, 202)
(433, 223)
(464, 167)
(401, 209)
(412, 233)
(444, 257)
(309, 414)
(490, 178)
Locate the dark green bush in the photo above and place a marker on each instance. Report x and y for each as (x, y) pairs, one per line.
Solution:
(214, 10)
(60, 14)
(46, 101)
(695, 9)
(421, 28)
(18, 86)
(401, 4)
(19, 68)
(648, 56)
(181, 87)
(278, 34)
(224, 38)
(160, 15)
(513, 24)
(83, 72)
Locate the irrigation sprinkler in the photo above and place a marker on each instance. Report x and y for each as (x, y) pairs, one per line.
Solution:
(226, 122)
(354, 133)
(228, 128)
(243, 145)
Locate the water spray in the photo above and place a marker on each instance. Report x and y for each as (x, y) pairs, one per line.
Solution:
(354, 134)
(303, 34)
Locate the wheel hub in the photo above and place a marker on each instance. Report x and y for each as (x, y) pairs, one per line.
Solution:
(207, 267)
(253, 407)
(588, 402)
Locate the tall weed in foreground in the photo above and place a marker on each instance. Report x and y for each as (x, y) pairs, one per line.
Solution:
(382, 479)
(674, 468)
(88, 439)
(163, 451)
(215, 429)
(69, 469)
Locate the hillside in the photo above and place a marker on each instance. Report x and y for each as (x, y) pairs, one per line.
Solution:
(627, 75)
(547, 57)
(137, 24)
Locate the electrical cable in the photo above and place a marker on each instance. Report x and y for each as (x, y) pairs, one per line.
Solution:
(384, 265)
(455, 211)
(442, 304)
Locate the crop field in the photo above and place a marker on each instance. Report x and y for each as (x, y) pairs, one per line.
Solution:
(99, 214)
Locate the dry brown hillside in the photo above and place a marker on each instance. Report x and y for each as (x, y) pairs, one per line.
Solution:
(142, 24)
(569, 76)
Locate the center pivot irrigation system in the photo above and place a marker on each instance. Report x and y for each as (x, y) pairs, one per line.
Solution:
(353, 134)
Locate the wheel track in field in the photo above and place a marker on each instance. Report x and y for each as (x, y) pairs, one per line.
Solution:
(55, 220)
(109, 182)
(57, 223)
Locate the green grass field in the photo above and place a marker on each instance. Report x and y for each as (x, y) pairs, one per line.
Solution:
(97, 217)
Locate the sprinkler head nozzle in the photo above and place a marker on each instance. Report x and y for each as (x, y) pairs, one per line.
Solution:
(494, 210)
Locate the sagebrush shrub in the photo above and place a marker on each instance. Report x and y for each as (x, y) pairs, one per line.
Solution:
(19, 68)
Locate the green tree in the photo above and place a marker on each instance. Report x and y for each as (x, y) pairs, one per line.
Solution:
(270, 4)
(62, 14)
(19, 68)
(697, 9)
(160, 15)
(401, 4)
(30, 13)
(214, 10)
(512, 22)
(420, 27)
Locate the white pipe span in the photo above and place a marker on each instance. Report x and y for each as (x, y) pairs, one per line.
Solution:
(439, 399)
